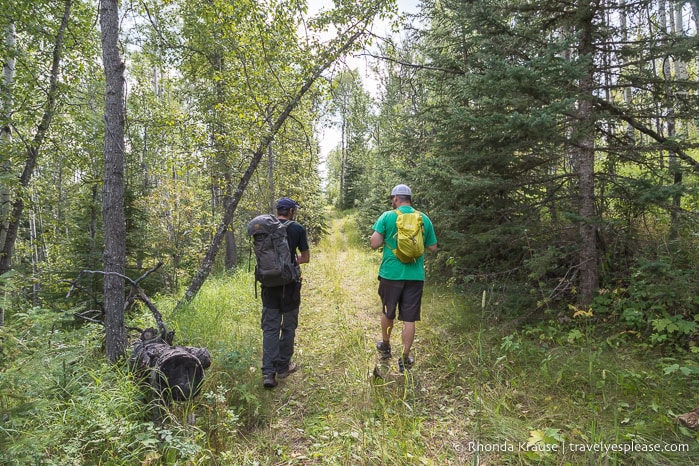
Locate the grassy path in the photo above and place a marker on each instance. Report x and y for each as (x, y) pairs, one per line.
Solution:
(476, 384)
(332, 411)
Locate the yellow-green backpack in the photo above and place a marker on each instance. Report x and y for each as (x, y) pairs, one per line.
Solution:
(410, 245)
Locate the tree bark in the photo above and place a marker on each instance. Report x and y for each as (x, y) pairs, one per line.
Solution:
(270, 176)
(584, 143)
(6, 101)
(680, 71)
(222, 179)
(628, 92)
(231, 261)
(114, 255)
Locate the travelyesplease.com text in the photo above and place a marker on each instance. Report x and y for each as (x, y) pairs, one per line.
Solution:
(565, 447)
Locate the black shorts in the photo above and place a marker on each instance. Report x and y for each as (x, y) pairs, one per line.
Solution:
(406, 295)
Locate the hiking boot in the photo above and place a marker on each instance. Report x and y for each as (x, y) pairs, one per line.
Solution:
(289, 370)
(405, 363)
(384, 349)
(269, 381)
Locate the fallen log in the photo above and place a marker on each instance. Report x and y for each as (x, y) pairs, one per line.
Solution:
(690, 419)
(174, 373)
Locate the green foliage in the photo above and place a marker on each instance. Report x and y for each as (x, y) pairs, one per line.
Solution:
(350, 166)
(224, 317)
(480, 127)
(61, 404)
(536, 392)
(479, 381)
(657, 303)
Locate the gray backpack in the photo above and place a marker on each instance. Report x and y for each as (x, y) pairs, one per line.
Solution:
(269, 241)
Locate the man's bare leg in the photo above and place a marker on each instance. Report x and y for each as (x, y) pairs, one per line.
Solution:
(386, 327)
(408, 335)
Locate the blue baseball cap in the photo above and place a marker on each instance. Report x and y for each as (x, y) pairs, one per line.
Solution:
(287, 203)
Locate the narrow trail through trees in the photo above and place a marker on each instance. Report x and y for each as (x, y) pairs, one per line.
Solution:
(332, 406)
(341, 289)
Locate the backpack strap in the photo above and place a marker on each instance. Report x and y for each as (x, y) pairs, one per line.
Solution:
(249, 263)
(398, 212)
(287, 223)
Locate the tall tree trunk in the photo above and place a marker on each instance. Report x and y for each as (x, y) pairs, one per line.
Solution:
(585, 151)
(93, 257)
(695, 15)
(270, 174)
(33, 243)
(343, 162)
(221, 179)
(628, 93)
(231, 250)
(114, 256)
(681, 74)
(6, 100)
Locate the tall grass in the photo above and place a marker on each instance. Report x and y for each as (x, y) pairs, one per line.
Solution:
(480, 389)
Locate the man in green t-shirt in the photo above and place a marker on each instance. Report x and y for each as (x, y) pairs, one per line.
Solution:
(400, 284)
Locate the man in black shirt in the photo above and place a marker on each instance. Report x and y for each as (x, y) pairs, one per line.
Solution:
(280, 304)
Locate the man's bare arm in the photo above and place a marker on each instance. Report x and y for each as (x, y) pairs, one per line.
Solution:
(304, 257)
(376, 240)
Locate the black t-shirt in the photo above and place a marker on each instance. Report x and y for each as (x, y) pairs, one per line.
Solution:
(296, 236)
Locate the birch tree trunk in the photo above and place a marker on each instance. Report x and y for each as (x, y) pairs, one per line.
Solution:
(10, 229)
(114, 256)
(6, 100)
(8, 78)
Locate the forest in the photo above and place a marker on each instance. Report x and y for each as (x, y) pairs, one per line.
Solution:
(554, 145)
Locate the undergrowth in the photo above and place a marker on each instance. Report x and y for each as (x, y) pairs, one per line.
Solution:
(481, 392)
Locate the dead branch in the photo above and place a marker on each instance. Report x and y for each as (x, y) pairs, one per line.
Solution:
(136, 292)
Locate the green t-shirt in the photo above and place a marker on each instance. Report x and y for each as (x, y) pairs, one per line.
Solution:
(391, 267)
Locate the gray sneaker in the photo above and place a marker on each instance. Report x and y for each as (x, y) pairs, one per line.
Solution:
(293, 367)
(384, 349)
(405, 363)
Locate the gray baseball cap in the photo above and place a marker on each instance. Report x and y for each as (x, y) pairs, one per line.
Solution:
(401, 190)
